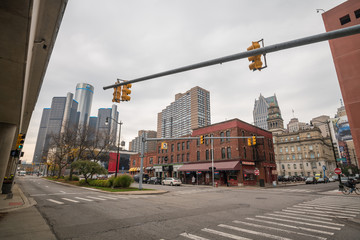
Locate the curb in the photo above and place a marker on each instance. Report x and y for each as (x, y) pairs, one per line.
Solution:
(28, 202)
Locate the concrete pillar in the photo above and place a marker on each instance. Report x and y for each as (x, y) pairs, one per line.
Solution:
(7, 133)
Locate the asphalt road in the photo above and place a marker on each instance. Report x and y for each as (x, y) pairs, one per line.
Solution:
(197, 212)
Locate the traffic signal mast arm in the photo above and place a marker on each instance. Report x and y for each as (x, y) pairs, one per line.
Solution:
(272, 48)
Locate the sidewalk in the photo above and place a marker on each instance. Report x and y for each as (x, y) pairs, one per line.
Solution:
(19, 218)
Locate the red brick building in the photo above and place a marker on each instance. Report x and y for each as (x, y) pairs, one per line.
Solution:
(346, 56)
(234, 160)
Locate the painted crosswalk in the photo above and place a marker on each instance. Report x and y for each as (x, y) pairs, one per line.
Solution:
(316, 219)
(95, 198)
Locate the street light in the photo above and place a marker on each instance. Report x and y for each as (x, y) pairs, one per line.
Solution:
(118, 147)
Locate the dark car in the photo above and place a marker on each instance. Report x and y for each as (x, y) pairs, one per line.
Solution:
(310, 180)
(154, 180)
(145, 178)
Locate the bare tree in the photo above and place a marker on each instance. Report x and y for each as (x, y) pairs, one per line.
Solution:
(98, 147)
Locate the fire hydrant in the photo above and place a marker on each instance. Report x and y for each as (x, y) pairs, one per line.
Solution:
(216, 184)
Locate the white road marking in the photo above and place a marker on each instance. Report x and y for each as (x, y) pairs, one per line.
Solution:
(307, 213)
(291, 226)
(108, 197)
(70, 200)
(324, 208)
(305, 219)
(317, 211)
(298, 222)
(54, 201)
(278, 229)
(224, 234)
(194, 237)
(96, 198)
(331, 206)
(307, 216)
(85, 199)
(253, 232)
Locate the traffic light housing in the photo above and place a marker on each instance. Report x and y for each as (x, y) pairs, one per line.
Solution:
(117, 94)
(125, 92)
(249, 141)
(20, 141)
(253, 140)
(256, 62)
(202, 139)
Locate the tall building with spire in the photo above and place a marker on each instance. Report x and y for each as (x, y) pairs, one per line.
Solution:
(260, 112)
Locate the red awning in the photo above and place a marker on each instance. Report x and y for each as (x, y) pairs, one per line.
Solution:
(227, 165)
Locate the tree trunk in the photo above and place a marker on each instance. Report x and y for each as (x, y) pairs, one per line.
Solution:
(71, 173)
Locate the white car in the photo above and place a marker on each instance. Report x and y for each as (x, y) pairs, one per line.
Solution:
(171, 181)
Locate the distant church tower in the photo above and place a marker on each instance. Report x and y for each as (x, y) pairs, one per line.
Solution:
(275, 122)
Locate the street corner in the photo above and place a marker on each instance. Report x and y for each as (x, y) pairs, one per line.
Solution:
(15, 200)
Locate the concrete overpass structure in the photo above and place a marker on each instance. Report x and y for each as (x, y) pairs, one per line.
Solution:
(28, 32)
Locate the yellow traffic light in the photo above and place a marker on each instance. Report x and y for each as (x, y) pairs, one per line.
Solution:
(249, 141)
(253, 140)
(117, 94)
(20, 141)
(202, 140)
(256, 60)
(125, 92)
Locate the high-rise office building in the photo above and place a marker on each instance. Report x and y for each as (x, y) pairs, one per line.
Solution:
(110, 127)
(38, 153)
(190, 110)
(260, 112)
(346, 55)
(83, 95)
(150, 146)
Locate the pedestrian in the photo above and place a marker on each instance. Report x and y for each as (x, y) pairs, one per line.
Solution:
(193, 180)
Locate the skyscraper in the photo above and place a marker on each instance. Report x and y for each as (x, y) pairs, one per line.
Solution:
(111, 126)
(190, 110)
(38, 153)
(83, 95)
(260, 112)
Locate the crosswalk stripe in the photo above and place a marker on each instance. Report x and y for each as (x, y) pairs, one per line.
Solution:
(307, 213)
(96, 198)
(317, 211)
(298, 222)
(291, 226)
(224, 234)
(330, 206)
(308, 217)
(84, 199)
(70, 200)
(191, 236)
(278, 229)
(305, 219)
(253, 232)
(108, 197)
(54, 201)
(324, 208)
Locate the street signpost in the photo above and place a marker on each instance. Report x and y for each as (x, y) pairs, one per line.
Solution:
(337, 171)
(257, 172)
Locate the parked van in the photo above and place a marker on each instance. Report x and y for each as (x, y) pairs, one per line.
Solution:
(22, 173)
(317, 176)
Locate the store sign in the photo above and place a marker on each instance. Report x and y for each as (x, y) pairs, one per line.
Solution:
(248, 163)
(216, 173)
(199, 172)
(164, 145)
(187, 172)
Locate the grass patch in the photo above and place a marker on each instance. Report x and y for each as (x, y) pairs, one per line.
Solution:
(130, 189)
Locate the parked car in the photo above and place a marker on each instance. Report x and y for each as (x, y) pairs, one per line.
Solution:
(154, 180)
(145, 178)
(321, 180)
(171, 181)
(331, 179)
(310, 180)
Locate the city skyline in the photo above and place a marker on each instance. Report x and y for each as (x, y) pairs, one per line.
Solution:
(98, 54)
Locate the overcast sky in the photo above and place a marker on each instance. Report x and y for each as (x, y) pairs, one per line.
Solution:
(100, 41)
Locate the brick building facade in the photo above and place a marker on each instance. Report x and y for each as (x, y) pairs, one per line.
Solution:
(234, 160)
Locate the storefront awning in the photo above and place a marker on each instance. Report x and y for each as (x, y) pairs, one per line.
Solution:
(227, 165)
(149, 168)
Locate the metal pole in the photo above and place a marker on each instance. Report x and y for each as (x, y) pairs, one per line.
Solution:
(212, 161)
(272, 48)
(142, 159)
(118, 150)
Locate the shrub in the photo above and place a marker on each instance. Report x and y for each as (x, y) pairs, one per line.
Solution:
(111, 180)
(82, 182)
(75, 178)
(123, 181)
(99, 183)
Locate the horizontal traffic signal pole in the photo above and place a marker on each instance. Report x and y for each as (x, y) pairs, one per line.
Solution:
(272, 48)
(195, 138)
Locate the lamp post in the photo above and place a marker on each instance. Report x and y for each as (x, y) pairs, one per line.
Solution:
(118, 146)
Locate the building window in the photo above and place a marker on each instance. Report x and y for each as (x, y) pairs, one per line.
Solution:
(280, 150)
(299, 149)
(293, 156)
(178, 158)
(310, 147)
(286, 139)
(188, 145)
(178, 146)
(243, 134)
(312, 155)
(299, 156)
(345, 19)
(288, 166)
(357, 13)
(319, 164)
(291, 139)
(294, 166)
(151, 161)
(183, 146)
(207, 154)
(159, 149)
(228, 135)
(298, 138)
(287, 157)
(222, 135)
(244, 152)
(286, 149)
(133, 162)
(308, 135)
(172, 147)
(223, 153)
(282, 166)
(159, 160)
(172, 158)
(198, 155)
(292, 149)
(228, 153)
(182, 157)
(187, 157)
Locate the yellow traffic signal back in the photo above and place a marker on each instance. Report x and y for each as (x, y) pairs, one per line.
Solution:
(117, 94)
(256, 60)
(249, 141)
(202, 140)
(125, 92)
(253, 140)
